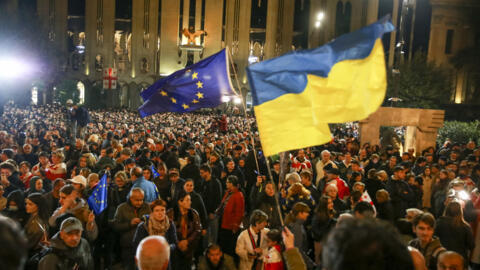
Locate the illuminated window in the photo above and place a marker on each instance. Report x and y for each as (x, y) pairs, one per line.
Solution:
(81, 91)
(35, 95)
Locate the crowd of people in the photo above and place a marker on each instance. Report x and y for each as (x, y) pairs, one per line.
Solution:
(194, 191)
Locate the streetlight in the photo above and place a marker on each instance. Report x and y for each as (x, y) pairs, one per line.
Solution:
(11, 68)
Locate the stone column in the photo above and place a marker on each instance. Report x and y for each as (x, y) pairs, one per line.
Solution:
(213, 26)
(244, 39)
(372, 11)
(108, 32)
(287, 26)
(271, 30)
(61, 9)
(137, 35)
(198, 26)
(90, 36)
(169, 37)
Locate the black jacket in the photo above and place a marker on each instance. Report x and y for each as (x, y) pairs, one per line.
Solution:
(458, 238)
(401, 196)
(211, 194)
(63, 257)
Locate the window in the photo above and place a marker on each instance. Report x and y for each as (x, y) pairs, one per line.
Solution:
(449, 41)
(81, 92)
(35, 95)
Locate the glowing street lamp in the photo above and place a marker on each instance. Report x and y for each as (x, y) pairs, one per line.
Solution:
(11, 68)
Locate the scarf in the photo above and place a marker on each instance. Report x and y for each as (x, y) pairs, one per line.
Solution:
(158, 227)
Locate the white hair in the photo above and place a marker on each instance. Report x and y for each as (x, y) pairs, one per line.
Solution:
(153, 252)
(294, 177)
(325, 152)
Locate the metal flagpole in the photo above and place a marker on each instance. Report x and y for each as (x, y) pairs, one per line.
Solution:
(253, 142)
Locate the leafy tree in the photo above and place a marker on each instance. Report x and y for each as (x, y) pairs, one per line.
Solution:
(459, 132)
(419, 84)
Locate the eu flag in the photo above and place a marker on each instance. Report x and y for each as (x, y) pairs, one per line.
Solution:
(200, 85)
(154, 172)
(296, 96)
(98, 200)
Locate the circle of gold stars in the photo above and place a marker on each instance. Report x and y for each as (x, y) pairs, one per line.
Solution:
(198, 95)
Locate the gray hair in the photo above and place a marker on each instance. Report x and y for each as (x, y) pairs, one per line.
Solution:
(294, 177)
(136, 189)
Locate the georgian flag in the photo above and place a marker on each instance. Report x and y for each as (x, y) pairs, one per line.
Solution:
(366, 198)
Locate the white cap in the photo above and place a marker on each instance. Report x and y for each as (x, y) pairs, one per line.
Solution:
(79, 179)
(69, 101)
(150, 140)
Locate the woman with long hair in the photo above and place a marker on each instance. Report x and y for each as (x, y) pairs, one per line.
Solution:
(427, 188)
(298, 193)
(323, 221)
(36, 228)
(455, 234)
(188, 229)
(439, 193)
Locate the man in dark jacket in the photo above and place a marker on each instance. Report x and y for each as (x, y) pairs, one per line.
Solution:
(400, 193)
(215, 259)
(68, 249)
(211, 193)
(82, 117)
(176, 185)
(127, 217)
(9, 178)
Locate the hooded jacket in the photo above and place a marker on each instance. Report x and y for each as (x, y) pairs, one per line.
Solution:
(18, 214)
(63, 257)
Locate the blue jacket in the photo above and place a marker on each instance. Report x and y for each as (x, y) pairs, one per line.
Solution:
(148, 188)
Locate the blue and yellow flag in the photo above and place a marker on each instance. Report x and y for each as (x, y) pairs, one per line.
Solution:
(98, 200)
(200, 85)
(296, 95)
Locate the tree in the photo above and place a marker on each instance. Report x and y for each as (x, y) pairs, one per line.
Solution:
(419, 84)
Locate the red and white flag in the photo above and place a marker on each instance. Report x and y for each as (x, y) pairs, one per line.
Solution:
(366, 198)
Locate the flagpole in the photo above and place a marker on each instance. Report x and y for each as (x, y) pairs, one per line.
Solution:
(230, 59)
(253, 141)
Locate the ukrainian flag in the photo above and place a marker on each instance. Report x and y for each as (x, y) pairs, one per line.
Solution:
(296, 95)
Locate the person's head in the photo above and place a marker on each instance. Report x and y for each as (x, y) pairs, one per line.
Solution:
(399, 173)
(411, 213)
(57, 185)
(12, 235)
(363, 210)
(205, 172)
(153, 253)
(359, 186)
(173, 175)
(24, 167)
(274, 237)
(306, 177)
(269, 189)
(159, 209)
(66, 192)
(300, 211)
(57, 157)
(184, 200)
(292, 178)
(136, 197)
(454, 211)
(38, 184)
(120, 179)
(423, 226)
(450, 260)
(325, 155)
(214, 254)
(36, 204)
(333, 173)
(258, 220)
(382, 196)
(147, 173)
(6, 168)
(189, 185)
(136, 172)
(324, 209)
(79, 182)
(71, 232)
(331, 190)
(27, 148)
(365, 244)
(232, 183)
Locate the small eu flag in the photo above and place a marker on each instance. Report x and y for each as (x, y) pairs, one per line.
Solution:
(154, 172)
(200, 85)
(98, 200)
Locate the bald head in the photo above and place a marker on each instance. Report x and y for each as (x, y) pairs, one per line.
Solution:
(153, 253)
(450, 260)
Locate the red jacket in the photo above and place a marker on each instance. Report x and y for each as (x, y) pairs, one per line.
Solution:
(234, 211)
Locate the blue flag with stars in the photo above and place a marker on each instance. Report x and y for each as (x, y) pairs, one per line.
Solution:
(98, 200)
(200, 85)
(154, 172)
